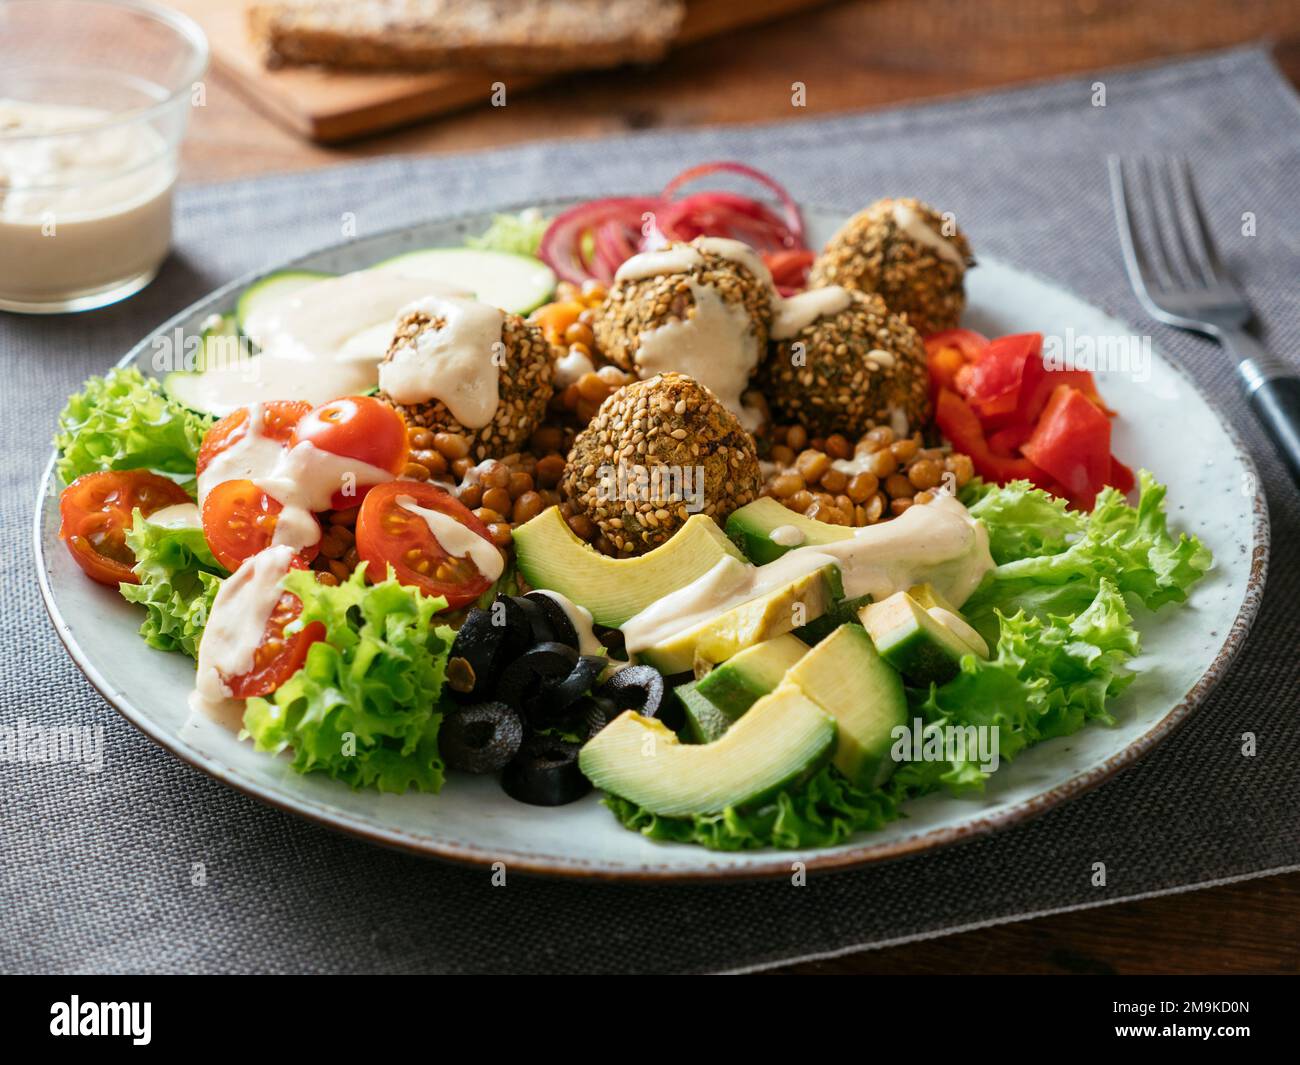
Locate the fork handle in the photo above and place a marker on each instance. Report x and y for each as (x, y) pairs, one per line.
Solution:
(1273, 390)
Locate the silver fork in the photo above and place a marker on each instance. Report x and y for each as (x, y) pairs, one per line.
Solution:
(1179, 278)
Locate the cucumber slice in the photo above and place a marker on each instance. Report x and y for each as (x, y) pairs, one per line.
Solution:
(261, 295)
(515, 283)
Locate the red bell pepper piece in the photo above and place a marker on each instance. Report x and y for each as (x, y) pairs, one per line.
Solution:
(995, 384)
(962, 427)
(1071, 442)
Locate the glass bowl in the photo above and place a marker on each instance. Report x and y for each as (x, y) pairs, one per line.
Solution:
(95, 96)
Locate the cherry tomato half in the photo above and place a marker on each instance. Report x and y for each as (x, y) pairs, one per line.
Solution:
(361, 428)
(391, 535)
(96, 511)
(277, 657)
(239, 520)
(279, 416)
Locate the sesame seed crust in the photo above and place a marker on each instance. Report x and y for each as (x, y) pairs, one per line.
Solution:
(668, 422)
(872, 254)
(853, 370)
(524, 387)
(634, 307)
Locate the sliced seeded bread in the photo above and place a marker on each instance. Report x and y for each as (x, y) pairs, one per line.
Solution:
(531, 35)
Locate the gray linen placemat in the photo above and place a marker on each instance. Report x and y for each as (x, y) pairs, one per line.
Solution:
(95, 870)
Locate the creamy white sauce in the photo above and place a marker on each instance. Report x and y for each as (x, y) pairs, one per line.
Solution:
(302, 479)
(81, 208)
(580, 618)
(571, 366)
(939, 543)
(801, 310)
(317, 344)
(457, 364)
(240, 611)
(177, 516)
(457, 540)
(910, 221)
(738, 252)
(961, 627)
(716, 345)
(677, 259)
(787, 536)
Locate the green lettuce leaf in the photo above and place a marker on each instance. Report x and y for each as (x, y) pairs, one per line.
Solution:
(821, 812)
(179, 579)
(520, 234)
(1047, 568)
(1054, 614)
(363, 708)
(124, 421)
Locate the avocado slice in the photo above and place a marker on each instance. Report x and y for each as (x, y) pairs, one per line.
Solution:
(848, 679)
(782, 737)
(704, 721)
(921, 646)
(750, 528)
(945, 613)
(722, 636)
(746, 677)
(551, 556)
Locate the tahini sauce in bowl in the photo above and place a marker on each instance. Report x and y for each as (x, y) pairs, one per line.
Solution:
(85, 205)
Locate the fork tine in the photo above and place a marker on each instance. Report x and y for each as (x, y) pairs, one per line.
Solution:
(1198, 235)
(1159, 249)
(1139, 271)
(1191, 267)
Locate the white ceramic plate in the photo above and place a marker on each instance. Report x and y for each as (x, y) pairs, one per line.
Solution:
(1164, 424)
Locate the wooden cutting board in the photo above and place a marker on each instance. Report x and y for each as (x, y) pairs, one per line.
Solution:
(330, 106)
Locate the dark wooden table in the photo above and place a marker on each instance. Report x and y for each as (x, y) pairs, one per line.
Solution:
(872, 53)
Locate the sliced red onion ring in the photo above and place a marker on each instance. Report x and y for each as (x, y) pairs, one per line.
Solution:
(591, 241)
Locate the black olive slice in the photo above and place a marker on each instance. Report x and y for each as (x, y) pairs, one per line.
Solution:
(524, 678)
(561, 626)
(555, 697)
(639, 688)
(481, 738)
(539, 622)
(545, 773)
(592, 714)
(471, 665)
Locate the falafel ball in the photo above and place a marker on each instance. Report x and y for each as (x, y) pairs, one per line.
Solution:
(523, 385)
(655, 288)
(656, 452)
(841, 362)
(908, 253)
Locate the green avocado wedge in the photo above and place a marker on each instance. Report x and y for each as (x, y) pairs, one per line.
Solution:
(751, 526)
(783, 737)
(761, 618)
(848, 679)
(550, 556)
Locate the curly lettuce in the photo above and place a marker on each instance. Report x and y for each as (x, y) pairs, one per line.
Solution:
(519, 234)
(363, 707)
(124, 421)
(179, 579)
(1056, 618)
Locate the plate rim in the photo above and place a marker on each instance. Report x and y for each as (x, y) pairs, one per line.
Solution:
(844, 857)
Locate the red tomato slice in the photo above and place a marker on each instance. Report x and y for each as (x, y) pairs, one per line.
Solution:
(390, 535)
(361, 428)
(1072, 443)
(239, 520)
(278, 657)
(279, 416)
(96, 511)
(961, 426)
